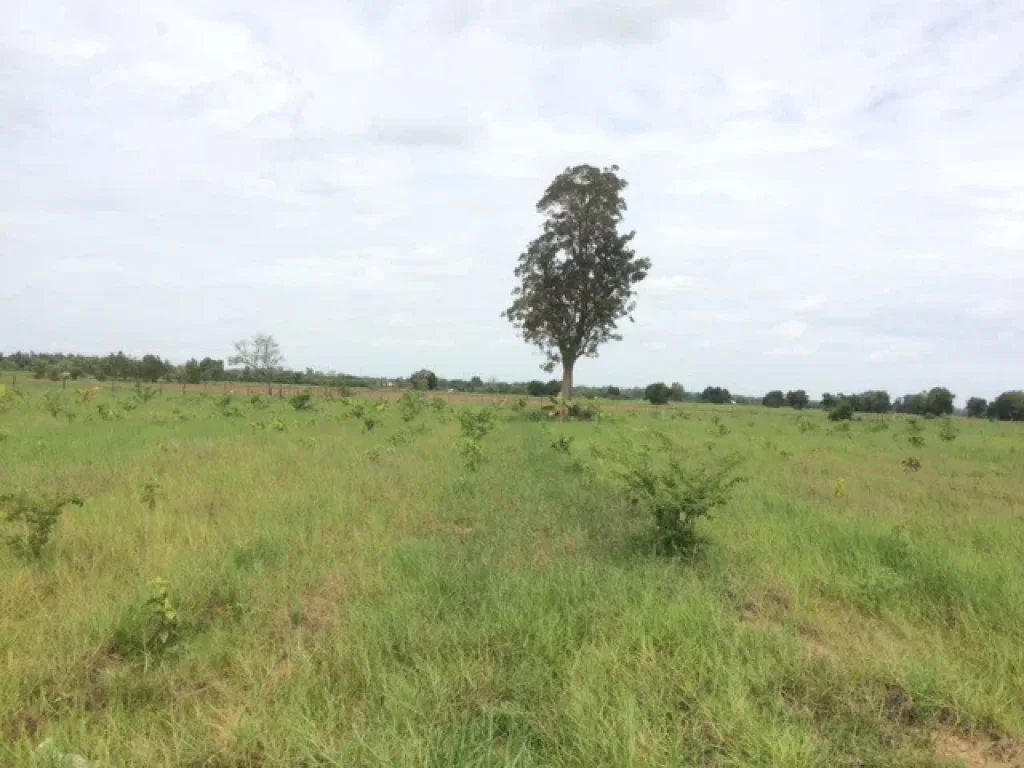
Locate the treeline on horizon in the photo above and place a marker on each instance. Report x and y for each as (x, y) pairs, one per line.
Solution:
(938, 401)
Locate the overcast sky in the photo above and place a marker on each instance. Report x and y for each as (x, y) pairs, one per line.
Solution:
(831, 193)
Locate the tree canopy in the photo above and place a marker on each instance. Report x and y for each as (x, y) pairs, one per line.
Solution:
(261, 355)
(774, 399)
(424, 379)
(576, 280)
(797, 399)
(976, 407)
(657, 393)
(718, 395)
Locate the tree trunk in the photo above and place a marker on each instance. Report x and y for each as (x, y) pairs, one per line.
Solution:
(270, 386)
(567, 367)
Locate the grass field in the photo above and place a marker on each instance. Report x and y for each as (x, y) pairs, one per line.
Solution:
(343, 596)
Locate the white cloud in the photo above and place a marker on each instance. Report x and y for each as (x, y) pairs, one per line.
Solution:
(836, 186)
(669, 285)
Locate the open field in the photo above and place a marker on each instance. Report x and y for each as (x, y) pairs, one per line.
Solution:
(338, 595)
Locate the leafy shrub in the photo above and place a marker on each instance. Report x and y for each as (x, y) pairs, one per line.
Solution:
(911, 464)
(472, 452)
(29, 522)
(676, 495)
(302, 401)
(476, 424)
(916, 440)
(374, 454)
(562, 444)
(947, 432)
(582, 411)
(842, 411)
(54, 403)
(106, 412)
(411, 405)
(150, 494)
(7, 396)
(803, 424)
(152, 628)
(164, 627)
(145, 393)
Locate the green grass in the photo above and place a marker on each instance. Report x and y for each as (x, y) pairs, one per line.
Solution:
(346, 598)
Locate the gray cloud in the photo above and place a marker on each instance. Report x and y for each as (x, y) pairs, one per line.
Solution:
(418, 132)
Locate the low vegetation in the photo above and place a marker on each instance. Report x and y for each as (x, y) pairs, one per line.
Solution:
(415, 582)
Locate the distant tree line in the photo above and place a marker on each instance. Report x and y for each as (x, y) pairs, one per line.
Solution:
(938, 401)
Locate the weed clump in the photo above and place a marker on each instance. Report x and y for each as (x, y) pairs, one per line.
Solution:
(28, 521)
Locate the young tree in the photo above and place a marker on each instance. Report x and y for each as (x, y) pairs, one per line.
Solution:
(797, 398)
(576, 279)
(261, 355)
(676, 393)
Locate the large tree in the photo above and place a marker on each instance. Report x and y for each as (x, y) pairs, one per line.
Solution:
(576, 279)
(976, 407)
(797, 398)
(423, 379)
(261, 355)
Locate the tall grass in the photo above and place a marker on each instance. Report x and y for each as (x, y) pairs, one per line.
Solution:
(346, 598)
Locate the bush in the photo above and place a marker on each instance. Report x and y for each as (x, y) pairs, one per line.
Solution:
(302, 401)
(29, 522)
(947, 432)
(774, 399)
(678, 497)
(842, 411)
(674, 494)
(582, 411)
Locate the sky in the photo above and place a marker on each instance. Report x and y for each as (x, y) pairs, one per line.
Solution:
(831, 193)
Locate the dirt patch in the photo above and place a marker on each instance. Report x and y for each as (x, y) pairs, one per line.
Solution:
(323, 606)
(899, 706)
(977, 751)
(548, 548)
(21, 724)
